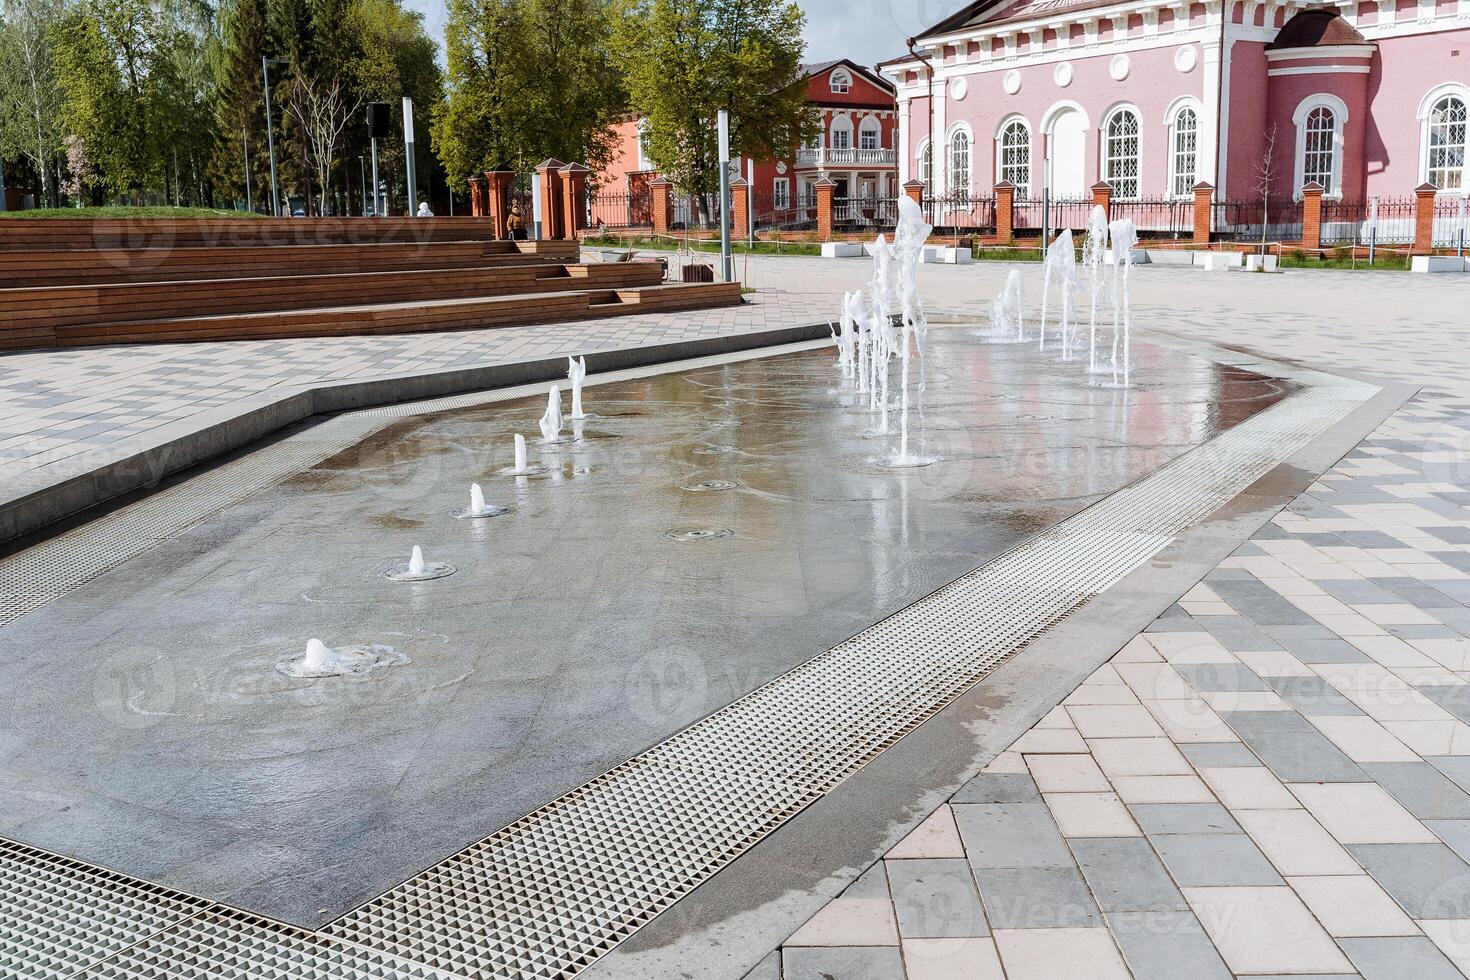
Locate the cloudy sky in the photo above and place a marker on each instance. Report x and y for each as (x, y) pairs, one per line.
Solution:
(867, 31)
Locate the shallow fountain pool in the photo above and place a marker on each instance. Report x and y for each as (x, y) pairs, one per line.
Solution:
(708, 531)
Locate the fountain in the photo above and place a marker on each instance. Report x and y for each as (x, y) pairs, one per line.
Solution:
(1124, 238)
(320, 660)
(551, 422)
(1008, 313)
(479, 508)
(418, 569)
(576, 373)
(1094, 257)
(1061, 270)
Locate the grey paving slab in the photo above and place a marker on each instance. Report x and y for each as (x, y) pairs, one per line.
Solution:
(1457, 767)
(1184, 818)
(1297, 756)
(1125, 875)
(1010, 835)
(841, 963)
(1218, 755)
(1221, 677)
(1166, 946)
(935, 898)
(1455, 833)
(1454, 698)
(768, 968)
(1000, 787)
(1399, 958)
(1036, 898)
(1262, 605)
(1214, 860)
(1313, 696)
(1428, 880)
(872, 883)
(1422, 789)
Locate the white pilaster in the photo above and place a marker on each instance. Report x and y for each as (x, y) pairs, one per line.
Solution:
(1216, 98)
(905, 151)
(936, 141)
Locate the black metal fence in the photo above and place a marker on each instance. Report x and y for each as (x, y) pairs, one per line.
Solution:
(1450, 221)
(788, 213)
(620, 209)
(961, 212)
(856, 214)
(1389, 221)
(1252, 221)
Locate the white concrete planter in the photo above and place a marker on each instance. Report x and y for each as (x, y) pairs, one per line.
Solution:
(1169, 256)
(1140, 257)
(841, 250)
(1437, 263)
(1218, 261)
(1261, 263)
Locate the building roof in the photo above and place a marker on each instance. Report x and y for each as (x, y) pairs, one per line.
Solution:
(819, 67)
(1316, 28)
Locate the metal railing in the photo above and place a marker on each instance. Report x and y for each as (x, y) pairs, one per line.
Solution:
(961, 210)
(797, 213)
(1251, 221)
(858, 213)
(1450, 221)
(620, 209)
(1348, 223)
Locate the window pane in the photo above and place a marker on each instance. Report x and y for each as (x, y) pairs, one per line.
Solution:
(1186, 143)
(959, 165)
(1447, 122)
(1122, 154)
(1015, 154)
(1320, 147)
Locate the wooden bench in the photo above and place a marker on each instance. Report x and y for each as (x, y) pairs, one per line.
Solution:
(110, 233)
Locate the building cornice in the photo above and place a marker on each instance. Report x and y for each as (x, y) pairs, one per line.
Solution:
(1363, 51)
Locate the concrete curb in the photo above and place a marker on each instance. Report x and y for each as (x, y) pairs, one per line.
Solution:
(31, 504)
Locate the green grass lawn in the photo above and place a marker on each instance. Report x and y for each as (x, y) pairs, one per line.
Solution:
(125, 211)
(1383, 262)
(674, 244)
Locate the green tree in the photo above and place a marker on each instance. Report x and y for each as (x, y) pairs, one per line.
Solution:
(239, 110)
(98, 107)
(527, 80)
(685, 59)
(396, 57)
(30, 99)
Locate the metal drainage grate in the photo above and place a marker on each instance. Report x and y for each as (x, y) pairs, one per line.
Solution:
(554, 891)
(59, 916)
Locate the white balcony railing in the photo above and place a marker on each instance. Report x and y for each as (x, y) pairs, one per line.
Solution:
(849, 157)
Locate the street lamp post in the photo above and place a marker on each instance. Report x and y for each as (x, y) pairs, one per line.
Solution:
(727, 262)
(270, 133)
(408, 153)
(362, 174)
(245, 138)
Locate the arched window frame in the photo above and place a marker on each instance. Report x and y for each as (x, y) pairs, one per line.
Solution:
(1112, 165)
(840, 81)
(1457, 90)
(924, 164)
(954, 169)
(870, 126)
(1008, 163)
(1181, 186)
(1339, 110)
(840, 124)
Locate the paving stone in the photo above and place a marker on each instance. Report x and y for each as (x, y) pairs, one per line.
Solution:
(1214, 860)
(1184, 818)
(872, 883)
(1166, 946)
(768, 968)
(1237, 633)
(1358, 590)
(1010, 835)
(841, 963)
(1325, 651)
(1313, 696)
(1352, 906)
(1300, 756)
(1125, 875)
(1428, 880)
(935, 899)
(1219, 755)
(1036, 898)
(1262, 605)
(1050, 954)
(951, 959)
(1265, 930)
(1422, 789)
(1221, 677)
(1454, 698)
(999, 788)
(1455, 833)
(1396, 957)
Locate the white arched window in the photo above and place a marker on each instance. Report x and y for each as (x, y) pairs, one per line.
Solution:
(926, 165)
(1445, 143)
(1319, 147)
(1319, 123)
(841, 81)
(840, 134)
(870, 134)
(1015, 154)
(1121, 153)
(1184, 153)
(958, 178)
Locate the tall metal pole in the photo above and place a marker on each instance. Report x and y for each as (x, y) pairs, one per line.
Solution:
(727, 262)
(408, 152)
(275, 193)
(362, 176)
(750, 201)
(245, 138)
(378, 203)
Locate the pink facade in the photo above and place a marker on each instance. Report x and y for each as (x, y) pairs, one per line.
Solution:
(1367, 99)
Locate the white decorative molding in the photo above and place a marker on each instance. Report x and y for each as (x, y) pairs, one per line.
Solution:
(1186, 58)
(1325, 51)
(1119, 67)
(959, 88)
(1339, 123)
(1011, 82)
(1320, 70)
(1063, 74)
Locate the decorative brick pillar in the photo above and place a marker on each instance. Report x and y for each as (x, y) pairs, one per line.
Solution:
(740, 226)
(1424, 219)
(1204, 207)
(497, 200)
(477, 196)
(551, 218)
(573, 199)
(662, 191)
(915, 191)
(1102, 197)
(1005, 211)
(1312, 215)
(825, 188)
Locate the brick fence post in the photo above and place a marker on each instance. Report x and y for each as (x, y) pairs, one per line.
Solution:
(1204, 206)
(1424, 219)
(573, 199)
(662, 205)
(550, 173)
(497, 203)
(740, 226)
(1102, 197)
(1312, 215)
(477, 196)
(1005, 211)
(825, 187)
(915, 191)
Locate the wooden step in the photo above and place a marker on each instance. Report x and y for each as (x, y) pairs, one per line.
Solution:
(80, 267)
(66, 306)
(401, 317)
(110, 233)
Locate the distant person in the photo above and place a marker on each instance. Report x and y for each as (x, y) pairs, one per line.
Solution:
(515, 223)
(424, 211)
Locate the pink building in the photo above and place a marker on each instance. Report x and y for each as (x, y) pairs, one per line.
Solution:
(1154, 96)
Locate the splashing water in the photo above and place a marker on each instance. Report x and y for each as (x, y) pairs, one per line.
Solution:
(1124, 239)
(320, 660)
(1094, 254)
(1061, 272)
(521, 466)
(551, 422)
(416, 565)
(576, 373)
